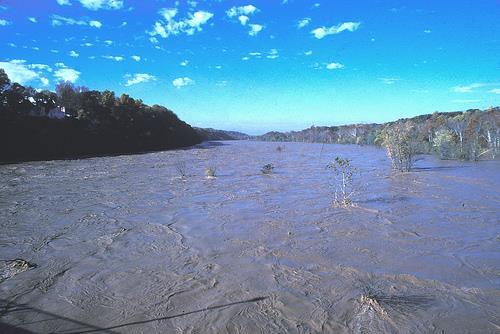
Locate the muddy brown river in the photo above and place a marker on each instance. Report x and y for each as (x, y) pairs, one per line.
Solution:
(125, 245)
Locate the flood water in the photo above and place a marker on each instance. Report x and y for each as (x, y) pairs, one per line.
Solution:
(125, 245)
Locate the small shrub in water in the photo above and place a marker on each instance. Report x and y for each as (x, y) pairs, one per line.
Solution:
(267, 169)
(181, 169)
(280, 148)
(210, 172)
(344, 188)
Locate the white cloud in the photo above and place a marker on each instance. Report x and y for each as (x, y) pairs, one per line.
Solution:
(255, 29)
(169, 26)
(181, 82)
(101, 4)
(58, 20)
(63, 2)
(184, 63)
(308, 53)
(139, 78)
(221, 83)
(495, 91)
(427, 31)
(95, 24)
(4, 22)
(243, 19)
(469, 88)
(321, 32)
(18, 71)
(108, 42)
(389, 81)
(334, 66)
(115, 58)
(304, 22)
(67, 74)
(242, 10)
(273, 54)
(136, 58)
(41, 67)
(87, 44)
(32, 19)
(73, 53)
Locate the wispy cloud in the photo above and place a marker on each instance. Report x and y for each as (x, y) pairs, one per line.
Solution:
(169, 26)
(389, 81)
(273, 54)
(95, 4)
(139, 78)
(495, 91)
(466, 101)
(321, 32)
(304, 22)
(115, 58)
(32, 19)
(74, 54)
(334, 66)
(181, 82)
(136, 58)
(468, 89)
(255, 29)
(242, 10)
(4, 22)
(58, 20)
(242, 13)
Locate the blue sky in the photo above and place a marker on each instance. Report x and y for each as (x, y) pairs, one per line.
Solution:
(263, 65)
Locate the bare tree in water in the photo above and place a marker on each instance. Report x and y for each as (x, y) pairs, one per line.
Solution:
(344, 183)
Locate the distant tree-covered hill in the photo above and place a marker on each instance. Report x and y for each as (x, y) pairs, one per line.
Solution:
(469, 135)
(75, 122)
(213, 134)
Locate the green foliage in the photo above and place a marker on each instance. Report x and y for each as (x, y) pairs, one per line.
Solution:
(95, 123)
(399, 140)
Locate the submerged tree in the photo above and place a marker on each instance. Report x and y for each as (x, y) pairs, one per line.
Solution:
(343, 182)
(444, 143)
(399, 139)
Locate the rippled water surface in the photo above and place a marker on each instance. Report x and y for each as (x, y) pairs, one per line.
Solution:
(124, 245)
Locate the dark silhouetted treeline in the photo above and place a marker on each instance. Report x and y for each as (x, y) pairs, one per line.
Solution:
(470, 135)
(76, 122)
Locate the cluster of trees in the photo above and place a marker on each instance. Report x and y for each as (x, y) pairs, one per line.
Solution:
(344, 134)
(470, 135)
(93, 123)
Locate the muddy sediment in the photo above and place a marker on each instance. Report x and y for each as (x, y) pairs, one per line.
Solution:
(128, 245)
